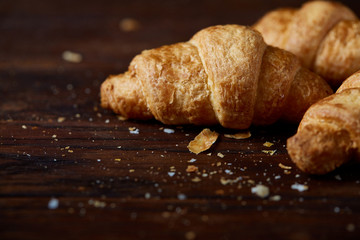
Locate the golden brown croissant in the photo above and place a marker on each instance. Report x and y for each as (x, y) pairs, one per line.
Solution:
(224, 74)
(324, 35)
(329, 133)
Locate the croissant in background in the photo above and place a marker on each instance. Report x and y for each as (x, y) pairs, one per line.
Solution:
(329, 133)
(324, 35)
(224, 74)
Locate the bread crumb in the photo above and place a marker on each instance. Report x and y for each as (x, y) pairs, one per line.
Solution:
(275, 198)
(165, 214)
(24, 127)
(270, 152)
(240, 135)
(220, 192)
(53, 203)
(268, 144)
(168, 130)
(220, 155)
(190, 235)
(134, 130)
(284, 166)
(129, 25)
(117, 159)
(181, 196)
(299, 187)
(192, 168)
(121, 118)
(196, 179)
(350, 227)
(203, 141)
(72, 57)
(61, 119)
(260, 190)
(224, 181)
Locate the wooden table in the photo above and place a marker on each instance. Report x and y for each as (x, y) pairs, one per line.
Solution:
(72, 170)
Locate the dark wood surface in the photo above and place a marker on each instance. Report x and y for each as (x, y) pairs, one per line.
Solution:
(76, 161)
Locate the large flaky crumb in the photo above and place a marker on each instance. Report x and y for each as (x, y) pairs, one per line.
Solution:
(240, 135)
(203, 141)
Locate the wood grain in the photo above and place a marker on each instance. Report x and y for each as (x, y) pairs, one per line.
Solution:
(57, 143)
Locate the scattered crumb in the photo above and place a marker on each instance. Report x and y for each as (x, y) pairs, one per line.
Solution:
(190, 235)
(270, 152)
(240, 135)
(196, 179)
(220, 192)
(220, 155)
(73, 57)
(224, 181)
(275, 198)
(168, 130)
(53, 203)
(147, 195)
(171, 174)
(181, 196)
(121, 118)
(166, 214)
(299, 187)
(284, 166)
(129, 25)
(260, 190)
(268, 144)
(192, 160)
(350, 227)
(203, 141)
(24, 127)
(97, 203)
(338, 177)
(134, 130)
(192, 168)
(131, 170)
(117, 159)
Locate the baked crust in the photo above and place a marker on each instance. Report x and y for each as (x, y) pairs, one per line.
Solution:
(224, 74)
(324, 35)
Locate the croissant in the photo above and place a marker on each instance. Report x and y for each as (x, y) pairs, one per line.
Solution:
(324, 35)
(224, 75)
(329, 133)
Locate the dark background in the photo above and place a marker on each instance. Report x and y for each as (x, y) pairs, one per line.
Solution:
(74, 161)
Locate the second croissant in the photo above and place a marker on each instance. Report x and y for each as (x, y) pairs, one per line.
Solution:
(224, 75)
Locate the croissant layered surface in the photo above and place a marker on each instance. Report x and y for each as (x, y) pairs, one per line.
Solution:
(329, 133)
(324, 35)
(224, 75)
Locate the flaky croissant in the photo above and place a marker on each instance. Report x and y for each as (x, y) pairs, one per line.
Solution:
(329, 133)
(324, 35)
(224, 74)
